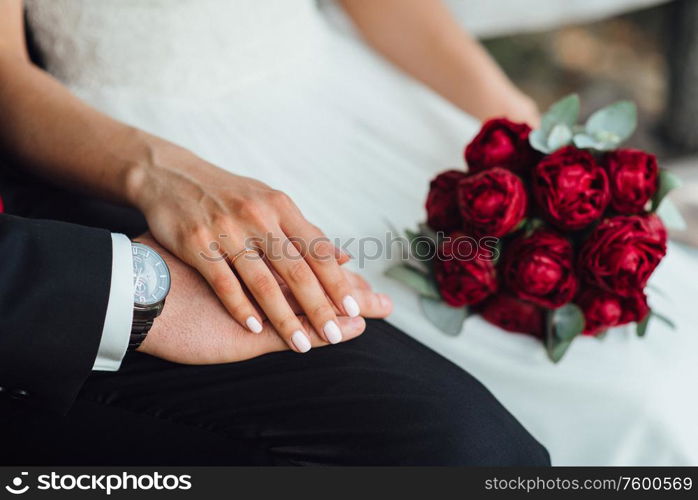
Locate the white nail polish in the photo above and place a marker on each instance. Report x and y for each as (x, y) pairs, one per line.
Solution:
(253, 324)
(332, 331)
(301, 341)
(350, 306)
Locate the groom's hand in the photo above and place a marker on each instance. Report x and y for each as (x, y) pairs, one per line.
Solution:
(195, 328)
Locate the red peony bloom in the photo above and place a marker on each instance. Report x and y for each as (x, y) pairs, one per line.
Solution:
(514, 315)
(604, 309)
(570, 188)
(633, 177)
(2, 206)
(501, 143)
(540, 269)
(492, 202)
(622, 252)
(463, 276)
(442, 203)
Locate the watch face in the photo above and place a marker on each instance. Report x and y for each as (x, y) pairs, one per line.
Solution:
(151, 277)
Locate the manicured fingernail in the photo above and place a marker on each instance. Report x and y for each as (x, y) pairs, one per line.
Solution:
(301, 341)
(332, 332)
(350, 306)
(253, 324)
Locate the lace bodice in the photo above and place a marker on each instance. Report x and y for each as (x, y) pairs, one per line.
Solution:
(172, 46)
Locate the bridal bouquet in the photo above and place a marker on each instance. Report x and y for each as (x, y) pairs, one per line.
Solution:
(553, 232)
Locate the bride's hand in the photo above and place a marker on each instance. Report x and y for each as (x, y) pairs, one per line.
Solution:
(207, 216)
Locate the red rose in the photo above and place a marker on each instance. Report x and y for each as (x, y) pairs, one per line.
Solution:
(463, 276)
(501, 143)
(604, 309)
(492, 202)
(632, 177)
(514, 315)
(539, 269)
(2, 207)
(622, 252)
(442, 203)
(570, 188)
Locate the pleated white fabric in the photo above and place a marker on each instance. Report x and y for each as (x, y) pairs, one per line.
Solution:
(266, 89)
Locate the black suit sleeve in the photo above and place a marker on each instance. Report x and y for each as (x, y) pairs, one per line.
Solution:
(54, 289)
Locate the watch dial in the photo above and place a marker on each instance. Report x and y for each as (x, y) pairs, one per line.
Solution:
(151, 277)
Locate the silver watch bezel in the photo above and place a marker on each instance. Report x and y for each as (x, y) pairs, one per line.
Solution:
(157, 306)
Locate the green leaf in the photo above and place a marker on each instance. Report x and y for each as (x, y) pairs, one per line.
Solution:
(414, 279)
(425, 230)
(556, 125)
(667, 182)
(558, 350)
(562, 326)
(410, 235)
(641, 327)
(539, 141)
(560, 135)
(671, 216)
(567, 321)
(584, 141)
(446, 318)
(566, 111)
(613, 124)
(532, 224)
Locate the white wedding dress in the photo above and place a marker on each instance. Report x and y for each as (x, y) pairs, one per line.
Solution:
(266, 88)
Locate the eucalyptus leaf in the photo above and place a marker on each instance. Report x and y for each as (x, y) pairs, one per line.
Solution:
(557, 350)
(566, 111)
(562, 326)
(556, 125)
(560, 135)
(584, 141)
(613, 124)
(667, 182)
(446, 318)
(567, 321)
(410, 235)
(641, 327)
(414, 279)
(427, 231)
(671, 216)
(539, 141)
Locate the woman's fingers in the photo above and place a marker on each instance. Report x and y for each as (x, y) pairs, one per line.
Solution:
(286, 260)
(320, 254)
(374, 305)
(251, 346)
(356, 280)
(266, 291)
(226, 286)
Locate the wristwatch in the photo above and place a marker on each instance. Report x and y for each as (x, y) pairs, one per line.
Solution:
(151, 284)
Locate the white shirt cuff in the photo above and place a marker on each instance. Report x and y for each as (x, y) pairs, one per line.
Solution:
(119, 317)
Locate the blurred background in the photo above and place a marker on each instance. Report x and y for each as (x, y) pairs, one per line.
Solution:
(625, 55)
(643, 50)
